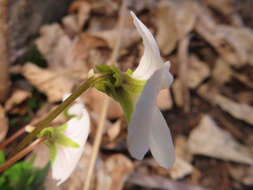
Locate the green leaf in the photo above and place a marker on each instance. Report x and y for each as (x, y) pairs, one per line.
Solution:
(2, 157)
(39, 178)
(23, 175)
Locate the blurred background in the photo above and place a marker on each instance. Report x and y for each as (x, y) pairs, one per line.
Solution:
(47, 48)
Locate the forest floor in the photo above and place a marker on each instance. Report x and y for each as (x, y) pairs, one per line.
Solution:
(209, 107)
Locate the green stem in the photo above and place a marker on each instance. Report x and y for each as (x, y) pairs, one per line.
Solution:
(54, 113)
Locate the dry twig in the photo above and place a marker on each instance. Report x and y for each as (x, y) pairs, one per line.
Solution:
(100, 128)
(4, 56)
(183, 70)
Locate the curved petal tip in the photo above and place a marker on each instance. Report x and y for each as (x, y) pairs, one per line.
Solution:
(151, 59)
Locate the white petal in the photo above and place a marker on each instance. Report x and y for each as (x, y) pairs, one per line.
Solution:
(77, 108)
(67, 157)
(151, 59)
(138, 130)
(143, 118)
(65, 96)
(79, 128)
(160, 141)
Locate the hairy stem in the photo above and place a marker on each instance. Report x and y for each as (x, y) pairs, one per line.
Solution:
(53, 114)
(21, 154)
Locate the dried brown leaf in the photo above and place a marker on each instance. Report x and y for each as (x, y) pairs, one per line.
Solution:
(70, 24)
(234, 44)
(53, 84)
(81, 55)
(222, 72)
(182, 166)
(210, 140)
(62, 52)
(164, 101)
(105, 7)
(198, 71)
(68, 60)
(158, 182)
(181, 148)
(18, 96)
(174, 20)
(180, 169)
(242, 174)
(114, 130)
(140, 5)
(240, 111)
(114, 172)
(241, 42)
(54, 45)
(83, 9)
(111, 36)
(244, 79)
(94, 99)
(224, 6)
(208, 92)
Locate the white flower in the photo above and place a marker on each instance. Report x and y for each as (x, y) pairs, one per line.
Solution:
(148, 128)
(77, 130)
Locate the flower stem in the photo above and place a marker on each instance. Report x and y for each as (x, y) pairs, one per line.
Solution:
(54, 113)
(21, 154)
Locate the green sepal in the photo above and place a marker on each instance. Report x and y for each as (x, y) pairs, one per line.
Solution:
(49, 131)
(122, 87)
(65, 141)
(52, 150)
(103, 68)
(129, 71)
(56, 138)
(67, 115)
(115, 80)
(124, 98)
(62, 128)
(132, 85)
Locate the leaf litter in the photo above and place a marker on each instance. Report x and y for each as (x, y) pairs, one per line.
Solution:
(215, 83)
